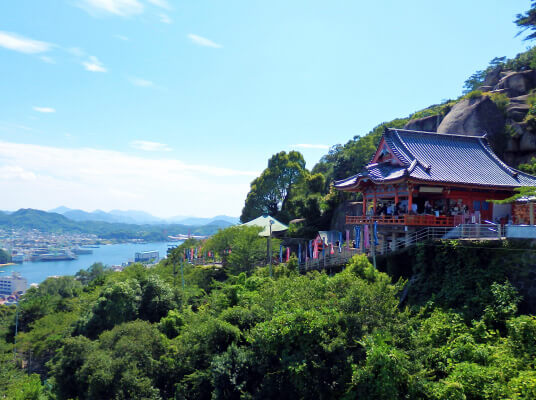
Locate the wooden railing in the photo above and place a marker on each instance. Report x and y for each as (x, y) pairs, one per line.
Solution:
(408, 220)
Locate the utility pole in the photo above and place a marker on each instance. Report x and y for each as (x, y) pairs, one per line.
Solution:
(270, 250)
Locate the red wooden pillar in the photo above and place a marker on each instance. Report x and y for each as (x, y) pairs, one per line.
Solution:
(364, 203)
(410, 198)
(396, 195)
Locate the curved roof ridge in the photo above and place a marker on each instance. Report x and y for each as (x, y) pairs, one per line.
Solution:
(438, 133)
(403, 158)
(485, 144)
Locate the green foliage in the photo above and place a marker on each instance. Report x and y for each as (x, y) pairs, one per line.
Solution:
(527, 21)
(521, 192)
(501, 101)
(272, 189)
(477, 79)
(248, 249)
(292, 336)
(474, 94)
(95, 271)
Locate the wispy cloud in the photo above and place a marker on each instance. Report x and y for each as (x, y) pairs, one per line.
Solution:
(48, 60)
(164, 18)
(201, 41)
(121, 37)
(160, 3)
(45, 110)
(310, 146)
(90, 178)
(122, 8)
(149, 146)
(76, 51)
(15, 42)
(94, 65)
(141, 82)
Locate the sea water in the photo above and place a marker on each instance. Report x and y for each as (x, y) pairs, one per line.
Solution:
(112, 254)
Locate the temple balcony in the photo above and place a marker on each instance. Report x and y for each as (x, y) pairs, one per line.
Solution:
(407, 220)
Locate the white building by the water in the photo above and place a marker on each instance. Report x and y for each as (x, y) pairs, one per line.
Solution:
(147, 257)
(12, 284)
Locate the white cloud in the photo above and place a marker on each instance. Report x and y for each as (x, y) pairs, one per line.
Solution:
(201, 41)
(121, 37)
(15, 42)
(160, 3)
(165, 19)
(94, 65)
(46, 176)
(149, 146)
(48, 60)
(9, 172)
(311, 146)
(44, 109)
(122, 8)
(141, 82)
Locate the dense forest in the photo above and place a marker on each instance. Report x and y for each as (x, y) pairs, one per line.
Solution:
(444, 321)
(230, 331)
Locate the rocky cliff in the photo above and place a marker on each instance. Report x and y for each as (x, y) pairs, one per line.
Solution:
(502, 107)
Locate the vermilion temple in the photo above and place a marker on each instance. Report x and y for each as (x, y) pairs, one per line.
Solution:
(418, 179)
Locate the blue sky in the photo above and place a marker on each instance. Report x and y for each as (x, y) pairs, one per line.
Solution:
(174, 107)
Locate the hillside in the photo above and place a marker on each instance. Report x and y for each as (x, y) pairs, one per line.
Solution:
(53, 222)
(139, 217)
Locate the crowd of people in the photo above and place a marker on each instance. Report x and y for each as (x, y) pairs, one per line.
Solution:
(439, 208)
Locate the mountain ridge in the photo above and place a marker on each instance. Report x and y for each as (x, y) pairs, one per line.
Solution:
(139, 217)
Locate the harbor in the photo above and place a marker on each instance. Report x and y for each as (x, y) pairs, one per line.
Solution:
(110, 255)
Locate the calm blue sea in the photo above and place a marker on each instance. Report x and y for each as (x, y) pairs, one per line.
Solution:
(113, 254)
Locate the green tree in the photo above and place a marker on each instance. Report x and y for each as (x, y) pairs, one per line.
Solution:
(272, 189)
(527, 21)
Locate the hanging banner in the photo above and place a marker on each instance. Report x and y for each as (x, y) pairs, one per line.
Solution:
(357, 241)
(366, 239)
(331, 251)
(288, 253)
(324, 248)
(280, 253)
(376, 233)
(315, 249)
(310, 249)
(348, 238)
(299, 252)
(340, 242)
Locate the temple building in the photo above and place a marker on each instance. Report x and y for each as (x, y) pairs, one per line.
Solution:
(420, 179)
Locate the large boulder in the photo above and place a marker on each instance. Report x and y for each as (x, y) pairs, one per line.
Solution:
(493, 77)
(427, 124)
(517, 83)
(528, 142)
(474, 117)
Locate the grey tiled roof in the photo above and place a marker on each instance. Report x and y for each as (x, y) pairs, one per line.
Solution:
(436, 157)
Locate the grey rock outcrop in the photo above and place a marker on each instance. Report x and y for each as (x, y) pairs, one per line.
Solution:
(473, 117)
(517, 83)
(428, 124)
(493, 77)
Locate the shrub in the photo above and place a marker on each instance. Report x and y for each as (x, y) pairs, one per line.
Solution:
(475, 94)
